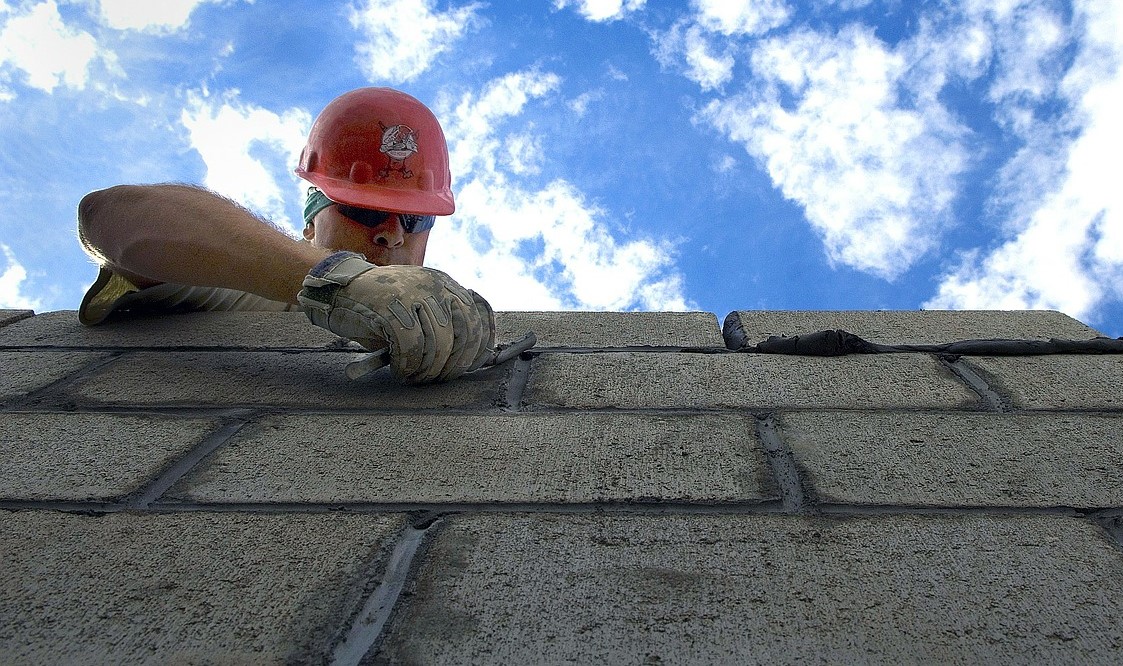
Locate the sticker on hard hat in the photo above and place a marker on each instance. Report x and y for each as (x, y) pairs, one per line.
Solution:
(399, 143)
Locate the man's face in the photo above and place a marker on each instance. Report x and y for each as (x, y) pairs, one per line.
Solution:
(386, 244)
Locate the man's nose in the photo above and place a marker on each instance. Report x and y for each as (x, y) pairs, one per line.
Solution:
(390, 233)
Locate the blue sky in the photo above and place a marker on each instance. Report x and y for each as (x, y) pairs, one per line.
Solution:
(615, 154)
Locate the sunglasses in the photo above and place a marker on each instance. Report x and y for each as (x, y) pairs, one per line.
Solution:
(412, 224)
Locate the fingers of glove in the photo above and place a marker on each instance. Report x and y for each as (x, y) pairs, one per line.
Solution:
(486, 321)
(407, 344)
(467, 344)
(451, 310)
(412, 308)
(356, 324)
(438, 341)
(469, 335)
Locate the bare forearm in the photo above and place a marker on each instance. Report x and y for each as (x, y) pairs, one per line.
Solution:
(177, 233)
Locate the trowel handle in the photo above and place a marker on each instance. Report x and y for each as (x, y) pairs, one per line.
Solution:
(381, 358)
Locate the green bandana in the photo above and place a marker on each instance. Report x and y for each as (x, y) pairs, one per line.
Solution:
(316, 202)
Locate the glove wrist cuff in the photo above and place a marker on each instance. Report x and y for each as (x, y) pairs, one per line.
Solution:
(325, 279)
(331, 262)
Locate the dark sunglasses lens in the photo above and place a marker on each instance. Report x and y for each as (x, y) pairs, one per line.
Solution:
(412, 224)
(364, 216)
(415, 224)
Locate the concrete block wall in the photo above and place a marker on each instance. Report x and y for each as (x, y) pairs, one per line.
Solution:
(212, 488)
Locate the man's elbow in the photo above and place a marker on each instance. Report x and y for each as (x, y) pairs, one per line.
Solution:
(88, 209)
(92, 207)
(98, 214)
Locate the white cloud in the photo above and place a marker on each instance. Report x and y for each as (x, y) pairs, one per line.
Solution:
(874, 175)
(705, 63)
(1026, 46)
(530, 248)
(725, 164)
(404, 37)
(1066, 251)
(742, 17)
(523, 153)
(580, 104)
(471, 125)
(148, 15)
(49, 53)
(848, 5)
(602, 10)
(1023, 43)
(249, 151)
(11, 284)
(703, 44)
(707, 69)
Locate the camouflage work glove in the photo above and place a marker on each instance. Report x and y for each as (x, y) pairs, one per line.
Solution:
(436, 329)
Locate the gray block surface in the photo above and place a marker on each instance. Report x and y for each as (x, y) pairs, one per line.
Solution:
(183, 588)
(1056, 382)
(959, 459)
(631, 380)
(238, 330)
(24, 372)
(495, 458)
(309, 379)
(264, 330)
(909, 326)
(763, 589)
(612, 329)
(89, 456)
(12, 316)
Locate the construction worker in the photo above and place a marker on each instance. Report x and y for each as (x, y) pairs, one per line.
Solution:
(378, 165)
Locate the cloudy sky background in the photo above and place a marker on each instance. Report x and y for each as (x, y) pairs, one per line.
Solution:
(615, 154)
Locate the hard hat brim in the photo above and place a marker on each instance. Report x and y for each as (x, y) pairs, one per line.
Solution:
(415, 202)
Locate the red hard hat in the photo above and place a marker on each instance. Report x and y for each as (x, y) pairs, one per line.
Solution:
(379, 148)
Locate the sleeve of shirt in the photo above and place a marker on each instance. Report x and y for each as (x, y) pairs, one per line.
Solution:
(111, 293)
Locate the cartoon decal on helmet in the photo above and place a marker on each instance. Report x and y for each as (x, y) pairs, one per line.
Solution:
(399, 143)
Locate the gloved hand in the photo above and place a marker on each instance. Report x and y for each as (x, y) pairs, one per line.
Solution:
(436, 329)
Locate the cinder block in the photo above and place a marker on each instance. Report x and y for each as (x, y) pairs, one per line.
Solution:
(959, 459)
(237, 330)
(612, 329)
(12, 316)
(655, 380)
(494, 458)
(299, 379)
(529, 589)
(906, 326)
(184, 588)
(89, 456)
(1056, 382)
(24, 372)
